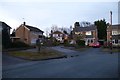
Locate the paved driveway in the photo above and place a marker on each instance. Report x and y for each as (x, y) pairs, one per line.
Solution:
(89, 64)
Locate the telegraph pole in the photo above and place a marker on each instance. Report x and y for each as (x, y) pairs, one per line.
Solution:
(111, 32)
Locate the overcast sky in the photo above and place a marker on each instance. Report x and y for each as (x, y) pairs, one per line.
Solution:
(43, 14)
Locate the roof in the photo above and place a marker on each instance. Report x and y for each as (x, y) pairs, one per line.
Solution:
(57, 32)
(87, 28)
(34, 28)
(4, 25)
(116, 36)
(116, 26)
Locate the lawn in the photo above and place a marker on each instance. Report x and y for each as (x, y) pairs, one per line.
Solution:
(78, 48)
(113, 50)
(45, 53)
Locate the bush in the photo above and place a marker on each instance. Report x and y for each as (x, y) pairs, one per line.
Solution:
(19, 44)
(56, 43)
(80, 42)
(66, 42)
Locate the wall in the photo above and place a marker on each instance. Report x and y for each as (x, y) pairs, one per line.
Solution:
(34, 36)
(24, 34)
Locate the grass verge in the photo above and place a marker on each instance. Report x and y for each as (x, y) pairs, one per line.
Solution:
(78, 48)
(42, 55)
(113, 50)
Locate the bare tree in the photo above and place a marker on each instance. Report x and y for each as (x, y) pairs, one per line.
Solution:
(47, 32)
(54, 28)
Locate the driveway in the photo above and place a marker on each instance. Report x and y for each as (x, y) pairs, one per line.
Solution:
(92, 63)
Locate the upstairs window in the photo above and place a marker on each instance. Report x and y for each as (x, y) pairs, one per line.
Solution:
(115, 33)
(88, 33)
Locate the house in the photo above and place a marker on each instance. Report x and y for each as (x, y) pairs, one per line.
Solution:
(4, 26)
(88, 33)
(28, 34)
(5, 34)
(115, 34)
(59, 36)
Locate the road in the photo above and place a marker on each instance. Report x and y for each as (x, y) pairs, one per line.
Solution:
(92, 63)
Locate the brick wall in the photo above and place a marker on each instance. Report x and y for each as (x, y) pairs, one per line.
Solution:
(24, 34)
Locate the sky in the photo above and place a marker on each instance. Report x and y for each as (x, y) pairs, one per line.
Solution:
(43, 14)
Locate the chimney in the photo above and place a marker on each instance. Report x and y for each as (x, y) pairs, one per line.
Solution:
(24, 23)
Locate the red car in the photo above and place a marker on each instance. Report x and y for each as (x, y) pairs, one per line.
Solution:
(96, 45)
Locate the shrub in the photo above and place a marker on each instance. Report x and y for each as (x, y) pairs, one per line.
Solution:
(66, 42)
(19, 44)
(80, 42)
(56, 43)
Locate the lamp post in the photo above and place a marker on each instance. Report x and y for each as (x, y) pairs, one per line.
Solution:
(111, 32)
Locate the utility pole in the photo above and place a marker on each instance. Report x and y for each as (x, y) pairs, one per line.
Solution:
(111, 32)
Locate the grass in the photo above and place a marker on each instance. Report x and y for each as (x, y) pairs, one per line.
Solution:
(78, 48)
(81, 49)
(43, 54)
(113, 50)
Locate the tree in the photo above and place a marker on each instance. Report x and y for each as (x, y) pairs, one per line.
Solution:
(101, 29)
(65, 32)
(47, 32)
(77, 24)
(54, 28)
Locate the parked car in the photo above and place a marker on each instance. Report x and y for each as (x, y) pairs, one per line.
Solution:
(96, 45)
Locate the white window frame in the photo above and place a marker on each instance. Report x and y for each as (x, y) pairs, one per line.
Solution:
(88, 33)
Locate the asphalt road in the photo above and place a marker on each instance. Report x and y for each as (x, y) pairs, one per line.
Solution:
(10, 60)
(92, 63)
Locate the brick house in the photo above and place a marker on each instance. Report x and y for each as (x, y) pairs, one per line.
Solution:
(28, 34)
(88, 33)
(115, 34)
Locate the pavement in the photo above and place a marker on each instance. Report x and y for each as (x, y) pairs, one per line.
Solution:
(92, 63)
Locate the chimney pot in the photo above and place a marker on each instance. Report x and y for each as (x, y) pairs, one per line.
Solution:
(24, 23)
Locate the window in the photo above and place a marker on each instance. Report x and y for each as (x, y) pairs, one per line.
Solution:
(78, 33)
(61, 35)
(119, 41)
(88, 33)
(116, 41)
(114, 32)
